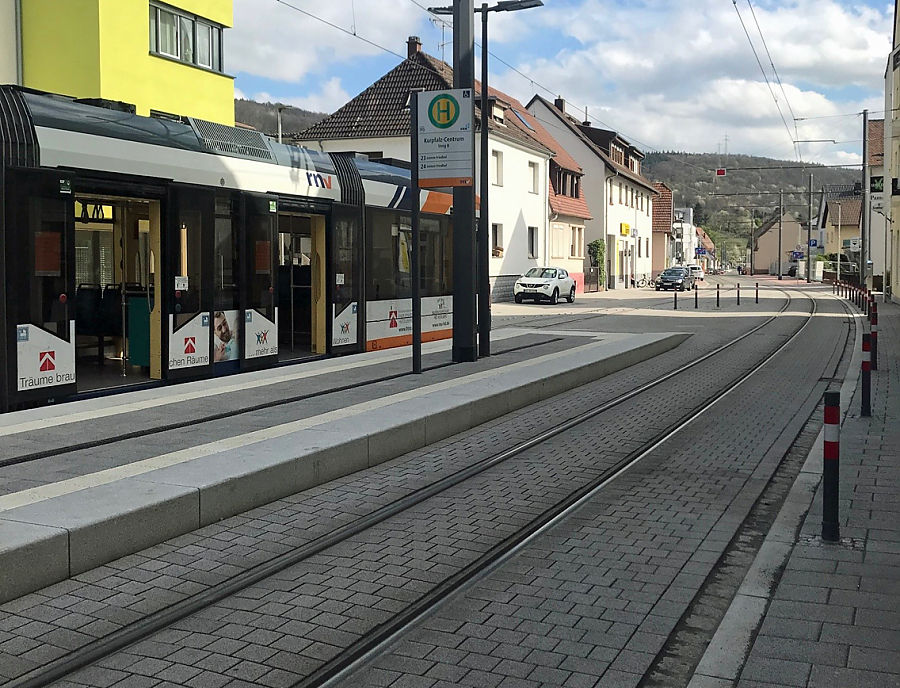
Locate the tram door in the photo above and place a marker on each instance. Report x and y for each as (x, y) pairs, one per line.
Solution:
(346, 279)
(301, 285)
(116, 254)
(40, 285)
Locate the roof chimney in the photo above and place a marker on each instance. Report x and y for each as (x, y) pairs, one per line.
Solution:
(413, 45)
(586, 122)
(560, 105)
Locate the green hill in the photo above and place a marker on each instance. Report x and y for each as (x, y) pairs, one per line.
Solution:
(754, 191)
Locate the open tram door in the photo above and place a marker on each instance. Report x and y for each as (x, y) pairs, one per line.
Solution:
(39, 261)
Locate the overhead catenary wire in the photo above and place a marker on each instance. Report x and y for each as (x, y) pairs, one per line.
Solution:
(765, 76)
(777, 78)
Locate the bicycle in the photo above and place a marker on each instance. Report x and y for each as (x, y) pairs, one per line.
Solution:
(644, 282)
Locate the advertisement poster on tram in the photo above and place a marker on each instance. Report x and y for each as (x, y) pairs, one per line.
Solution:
(43, 359)
(226, 339)
(260, 335)
(189, 344)
(389, 323)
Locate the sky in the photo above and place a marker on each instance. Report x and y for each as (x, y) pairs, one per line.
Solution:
(666, 74)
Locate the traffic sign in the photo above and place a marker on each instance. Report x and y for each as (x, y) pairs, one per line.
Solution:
(796, 255)
(813, 243)
(699, 251)
(446, 155)
(720, 172)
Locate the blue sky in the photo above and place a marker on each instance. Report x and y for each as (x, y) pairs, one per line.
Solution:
(668, 74)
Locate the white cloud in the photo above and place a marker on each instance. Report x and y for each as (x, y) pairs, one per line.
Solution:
(330, 98)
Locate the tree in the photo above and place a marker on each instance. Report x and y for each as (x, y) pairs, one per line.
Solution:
(597, 255)
(700, 214)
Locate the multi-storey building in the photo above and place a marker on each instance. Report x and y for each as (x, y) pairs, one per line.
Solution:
(536, 205)
(619, 197)
(154, 57)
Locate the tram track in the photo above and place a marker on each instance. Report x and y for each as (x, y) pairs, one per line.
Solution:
(213, 417)
(370, 647)
(163, 618)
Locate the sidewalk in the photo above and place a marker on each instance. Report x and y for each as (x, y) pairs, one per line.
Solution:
(834, 618)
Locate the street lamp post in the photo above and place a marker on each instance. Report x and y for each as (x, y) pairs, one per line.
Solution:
(483, 243)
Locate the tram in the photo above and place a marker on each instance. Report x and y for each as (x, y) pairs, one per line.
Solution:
(145, 250)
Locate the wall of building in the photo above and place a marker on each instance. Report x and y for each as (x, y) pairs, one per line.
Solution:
(511, 205)
(9, 41)
(101, 49)
(766, 258)
(661, 252)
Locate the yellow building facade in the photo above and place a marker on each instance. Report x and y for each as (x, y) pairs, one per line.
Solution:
(160, 57)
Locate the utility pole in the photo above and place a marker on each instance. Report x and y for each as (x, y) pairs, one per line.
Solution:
(809, 234)
(465, 347)
(864, 214)
(780, 218)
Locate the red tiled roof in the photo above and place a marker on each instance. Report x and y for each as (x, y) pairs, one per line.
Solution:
(566, 205)
(876, 142)
(663, 212)
(849, 212)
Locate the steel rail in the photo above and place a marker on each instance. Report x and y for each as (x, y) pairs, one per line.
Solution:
(157, 621)
(373, 644)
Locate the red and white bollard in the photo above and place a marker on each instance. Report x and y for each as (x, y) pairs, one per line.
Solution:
(831, 526)
(866, 409)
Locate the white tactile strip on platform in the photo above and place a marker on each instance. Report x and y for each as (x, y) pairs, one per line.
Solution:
(111, 475)
(78, 411)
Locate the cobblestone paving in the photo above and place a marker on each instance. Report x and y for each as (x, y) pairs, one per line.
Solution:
(834, 620)
(325, 603)
(40, 627)
(593, 602)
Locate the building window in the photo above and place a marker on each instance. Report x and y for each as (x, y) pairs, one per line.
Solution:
(532, 242)
(497, 160)
(497, 240)
(185, 37)
(557, 241)
(647, 246)
(535, 171)
(610, 191)
(577, 242)
(639, 248)
(620, 193)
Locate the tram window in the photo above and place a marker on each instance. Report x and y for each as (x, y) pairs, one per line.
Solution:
(390, 255)
(225, 265)
(188, 262)
(48, 280)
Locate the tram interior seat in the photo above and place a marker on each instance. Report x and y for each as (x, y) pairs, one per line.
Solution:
(88, 298)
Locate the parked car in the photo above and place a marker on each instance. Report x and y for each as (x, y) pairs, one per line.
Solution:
(679, 278)
(548, 283)
(696, 271)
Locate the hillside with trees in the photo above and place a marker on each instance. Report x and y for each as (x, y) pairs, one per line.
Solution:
(264, 116)
(752, 192)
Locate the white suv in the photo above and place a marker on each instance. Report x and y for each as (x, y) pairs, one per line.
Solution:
(696, 271)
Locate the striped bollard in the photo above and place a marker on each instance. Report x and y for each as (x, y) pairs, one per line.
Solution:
(873, 318)
(831, 526)
(866, 409)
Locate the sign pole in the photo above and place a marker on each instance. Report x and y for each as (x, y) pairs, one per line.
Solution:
(780, 216)
(809, 234)
(465, 348)
(416, 256)
(483, 243)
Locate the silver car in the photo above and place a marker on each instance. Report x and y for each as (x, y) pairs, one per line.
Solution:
(548, 283)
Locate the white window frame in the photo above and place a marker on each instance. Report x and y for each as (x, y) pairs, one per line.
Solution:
(496, 238)
(497, 162)
(216, 61)
(535, 169)
(577, 248)
(557, 240)
(533, 243)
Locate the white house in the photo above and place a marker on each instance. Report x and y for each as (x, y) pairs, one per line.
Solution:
(377, 123)
(619, 197)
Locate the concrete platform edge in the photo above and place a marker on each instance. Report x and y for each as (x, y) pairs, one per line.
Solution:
(47, 542)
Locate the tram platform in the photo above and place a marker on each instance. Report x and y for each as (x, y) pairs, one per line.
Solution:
(87, 482)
